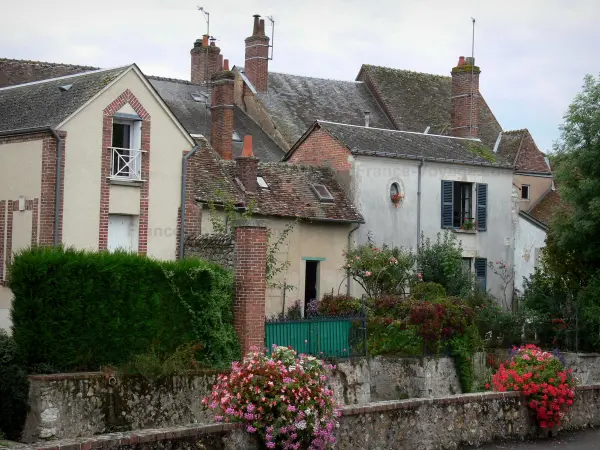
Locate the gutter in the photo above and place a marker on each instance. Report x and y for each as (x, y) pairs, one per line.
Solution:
(350, 233)
(59, 158)
(183, 208)
(419, 205)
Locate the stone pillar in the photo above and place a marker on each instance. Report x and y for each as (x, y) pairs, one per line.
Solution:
(250, 282)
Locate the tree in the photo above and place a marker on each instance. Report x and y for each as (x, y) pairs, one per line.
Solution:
(574, 234)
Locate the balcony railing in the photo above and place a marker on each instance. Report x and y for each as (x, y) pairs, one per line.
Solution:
(126, 164)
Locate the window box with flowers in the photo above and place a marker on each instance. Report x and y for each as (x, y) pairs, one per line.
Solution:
(396, 195)
(468, 226)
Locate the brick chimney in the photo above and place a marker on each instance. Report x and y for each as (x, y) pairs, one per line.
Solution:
(205, 60)
(246, 166)
(221, 112)
(465, 98)
(257, 56)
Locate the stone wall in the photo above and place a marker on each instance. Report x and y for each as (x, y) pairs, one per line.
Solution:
(74, 405)
(218, 248)
(363, 380)
(416, 424)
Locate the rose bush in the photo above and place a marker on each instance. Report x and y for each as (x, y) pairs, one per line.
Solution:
(282, 397)
(543, 379)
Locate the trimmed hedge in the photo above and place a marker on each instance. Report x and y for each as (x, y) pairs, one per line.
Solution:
(14, 389)
(79, 310)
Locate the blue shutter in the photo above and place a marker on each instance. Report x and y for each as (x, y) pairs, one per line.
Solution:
(481, 273)
(482, 205)
(447, 203)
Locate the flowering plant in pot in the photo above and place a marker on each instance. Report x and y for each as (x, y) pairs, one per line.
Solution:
(396, 199)
(541, 376)
(282, 397)
(468, 224)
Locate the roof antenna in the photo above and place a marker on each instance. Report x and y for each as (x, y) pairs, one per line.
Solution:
(206, 15)
(472, 75)
(272, 35)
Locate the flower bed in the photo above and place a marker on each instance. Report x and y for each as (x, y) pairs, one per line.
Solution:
(543, 379)
(281, 397)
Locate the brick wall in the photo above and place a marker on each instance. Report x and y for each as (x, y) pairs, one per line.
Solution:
(250, 282)
(193, 212)
(221, 112)
(109, 111)
(320, 149)
(465, 89)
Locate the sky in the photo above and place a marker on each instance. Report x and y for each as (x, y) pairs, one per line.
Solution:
(533, 54)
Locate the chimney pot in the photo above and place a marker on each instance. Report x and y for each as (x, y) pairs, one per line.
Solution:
(212, 41)
(262, 27)
(256, 29)
(225, 64)
(247, 151)
(205, 40)
(220, 63)
(461, 61)
(470, 61)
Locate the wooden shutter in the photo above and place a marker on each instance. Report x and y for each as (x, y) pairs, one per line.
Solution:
(447, 203)
(482, 205)
(481, 273)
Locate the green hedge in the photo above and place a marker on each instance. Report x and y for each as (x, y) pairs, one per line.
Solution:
(78, 310)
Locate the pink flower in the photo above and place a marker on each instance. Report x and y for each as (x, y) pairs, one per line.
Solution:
(419, 275)
(367, 274)
(526, 357)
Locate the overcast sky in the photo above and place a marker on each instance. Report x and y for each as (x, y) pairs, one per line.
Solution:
(533, 53)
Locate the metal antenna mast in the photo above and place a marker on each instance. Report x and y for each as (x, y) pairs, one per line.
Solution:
(206, 15)
(472, 75)
(272, 34)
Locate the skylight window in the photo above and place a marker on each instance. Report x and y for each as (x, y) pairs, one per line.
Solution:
(322, 193)
(236, 137)
(198, 97)
(65, 87)
(261, 182)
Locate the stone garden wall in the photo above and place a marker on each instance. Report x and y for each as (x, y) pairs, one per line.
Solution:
(217, 248)
(415, 424)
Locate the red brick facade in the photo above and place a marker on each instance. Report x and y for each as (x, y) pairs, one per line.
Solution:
(465, 99)
(250, 283)
(48, 190)
(206, 61)
(193, 217)
(257, 57)
(109, 111)
(321, 149)
(34, 222)
(221, 113)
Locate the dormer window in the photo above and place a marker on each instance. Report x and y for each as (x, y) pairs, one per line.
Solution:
(322, 193)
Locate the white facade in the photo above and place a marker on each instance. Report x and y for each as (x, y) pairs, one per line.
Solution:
(373, 177)
(530, 238)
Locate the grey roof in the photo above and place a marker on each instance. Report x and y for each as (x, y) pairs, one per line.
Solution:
(42, 103)
(295, 102)
(415, 101)
(18, 71)
(404, 144)
(195, 116)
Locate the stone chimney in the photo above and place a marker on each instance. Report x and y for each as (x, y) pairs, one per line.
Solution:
(465, 98)
(246, 166)
(205, 60)
(257, 56)
(221, 112)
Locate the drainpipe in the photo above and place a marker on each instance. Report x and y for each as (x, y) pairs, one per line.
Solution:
(58, 190)
(183, 184)
(350, 233)
(419, 205)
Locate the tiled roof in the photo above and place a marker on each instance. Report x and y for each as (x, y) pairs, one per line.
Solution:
(405, 144)
(295, 102)
(417, 100)
(17, 71)
(43, 103)
(289, 193)
(545, 207)
(195, 116)
(518, 146)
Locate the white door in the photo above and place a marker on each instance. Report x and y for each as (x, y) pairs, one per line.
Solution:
(122, 233)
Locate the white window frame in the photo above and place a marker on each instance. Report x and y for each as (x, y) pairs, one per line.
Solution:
(133, 156)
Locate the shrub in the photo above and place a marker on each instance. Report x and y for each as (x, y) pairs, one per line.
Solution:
(281, 397)
(440, 262)
(14, 389)
(393, 306)
(428, 291)
(78, 310)
(542, 377)
(389, 336)
(336, 305)
(380, 270)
